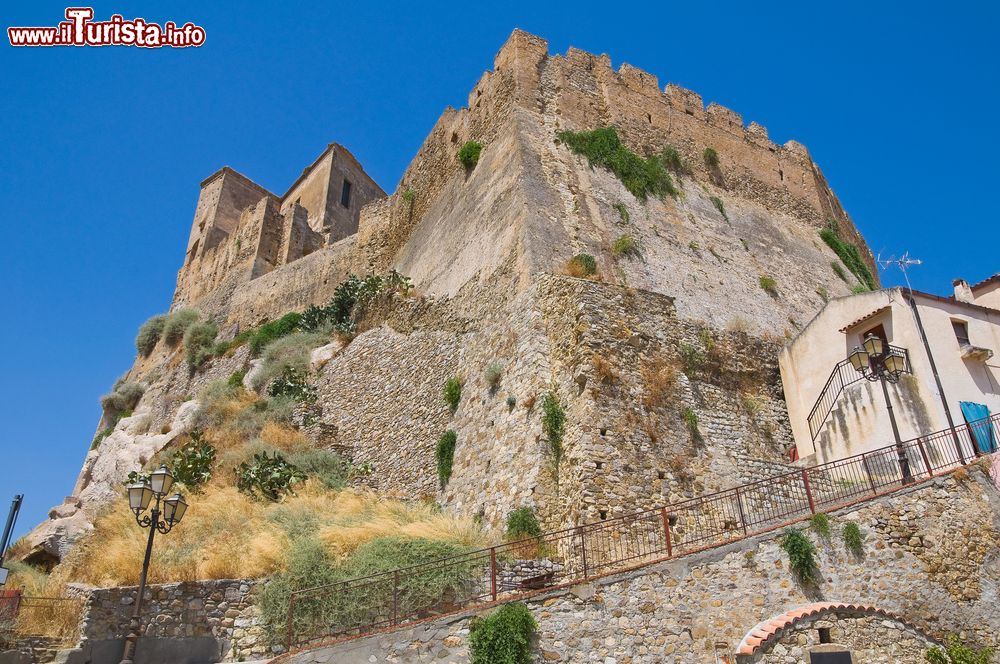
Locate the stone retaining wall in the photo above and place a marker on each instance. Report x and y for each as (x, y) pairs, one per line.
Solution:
(921, 562)
(221, 609)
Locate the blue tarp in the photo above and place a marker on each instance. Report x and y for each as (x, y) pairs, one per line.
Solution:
(982, 431)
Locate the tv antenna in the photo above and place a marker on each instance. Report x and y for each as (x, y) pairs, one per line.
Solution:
(903, 263)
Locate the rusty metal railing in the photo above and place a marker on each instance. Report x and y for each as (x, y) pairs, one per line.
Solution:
(56, 620)
(360, 606)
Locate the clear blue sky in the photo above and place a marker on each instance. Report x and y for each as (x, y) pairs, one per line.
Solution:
(103, 149)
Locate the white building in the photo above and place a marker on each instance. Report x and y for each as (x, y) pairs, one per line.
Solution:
(952, 372)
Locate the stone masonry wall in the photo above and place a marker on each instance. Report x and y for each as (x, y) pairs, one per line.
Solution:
(871, 640)
(697, 609)
(222, 609)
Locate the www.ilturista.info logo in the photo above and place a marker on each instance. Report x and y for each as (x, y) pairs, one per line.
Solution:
(81, 30)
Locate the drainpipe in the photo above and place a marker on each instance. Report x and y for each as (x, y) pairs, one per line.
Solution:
(937, 378)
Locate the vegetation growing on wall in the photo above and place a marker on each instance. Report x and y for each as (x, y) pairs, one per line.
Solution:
(711, 158)
(801, 554)
(854, 540)
(468, 154)
(492, 376)
(956, 652)
(602, 147)
(820, 524)
(553, 425)
(452, 392)
(198, 341)
(720, 206)
(177, 324)
(622, 211)
(522, 523)
(769, 285)
(691, 422)
(149, 335)
(581, 265)
(503, 637)
(120, 402)
(672, 159)
(849, 254)
(444, 454)
(626, 246)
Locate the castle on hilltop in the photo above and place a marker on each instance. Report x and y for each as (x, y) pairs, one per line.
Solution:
(241, 228)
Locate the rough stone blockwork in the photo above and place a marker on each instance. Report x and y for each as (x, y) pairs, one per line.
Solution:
(697, 609)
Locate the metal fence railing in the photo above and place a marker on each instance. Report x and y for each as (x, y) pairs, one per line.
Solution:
(52, 620)
(360, 606)
(842, 376)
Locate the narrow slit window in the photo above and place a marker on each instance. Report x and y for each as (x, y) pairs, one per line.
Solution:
(961, 332)
(345, 194)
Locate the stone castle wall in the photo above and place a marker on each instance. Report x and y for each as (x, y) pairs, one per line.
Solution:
(698, 608)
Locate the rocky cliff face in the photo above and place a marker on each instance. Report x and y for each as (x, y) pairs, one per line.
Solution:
(664, 362)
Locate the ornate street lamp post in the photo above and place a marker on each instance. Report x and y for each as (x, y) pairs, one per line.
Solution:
(876, 362)
(140, 495)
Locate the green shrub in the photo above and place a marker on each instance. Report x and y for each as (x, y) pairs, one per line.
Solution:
(469, 154)
(691, 422)
(309, 565)
(149, 335)
(290, 352)
(848, 254)
(445, 456)
(325, 465)
(177, 324)
(839, 271)
(236, 378)
(854, 540)
(622, 211)
(511, 402)
(122, 399)
(859, 288)
(801, 555)
(692, 359)
(553, 426)
(394, 281)
(409, 196)
(492, 376)
(582, 265)
(270, 478)
(101, 435)
(820, 523)
(269, 332)
(503, 637)
(522, 523)
(452, 392)
(625, 245)
(955, 652)
(769, 285)
(711, 158)
(823, 293)
(602, 147)
(192, 464)
(198, 341)
(671, 158)
(292, 385)
(720, 206)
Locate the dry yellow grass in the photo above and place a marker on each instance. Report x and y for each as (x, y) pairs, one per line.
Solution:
(282, 437)
(226, 534)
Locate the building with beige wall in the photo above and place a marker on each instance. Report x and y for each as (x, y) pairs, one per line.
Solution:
(952, 375)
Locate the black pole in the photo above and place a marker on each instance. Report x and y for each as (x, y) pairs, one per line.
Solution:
(904, 463)
(133, 626)
(937, 379)
(15, 508)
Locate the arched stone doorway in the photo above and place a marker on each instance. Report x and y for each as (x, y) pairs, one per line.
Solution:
(834, 633)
